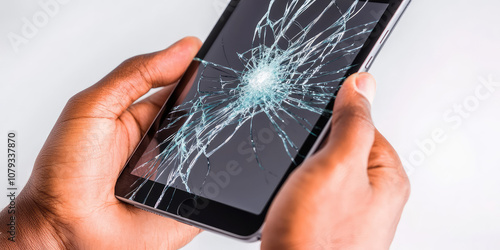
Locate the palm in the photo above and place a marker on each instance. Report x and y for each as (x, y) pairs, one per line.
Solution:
(75, 174)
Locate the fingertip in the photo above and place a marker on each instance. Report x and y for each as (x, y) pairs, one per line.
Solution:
(190, 44)
(362, 83)
(195, 41)
(366, 85)
(173, 61)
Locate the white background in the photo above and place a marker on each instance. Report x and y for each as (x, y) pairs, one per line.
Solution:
(434, 60)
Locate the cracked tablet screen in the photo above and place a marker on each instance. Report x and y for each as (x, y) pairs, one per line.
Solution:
(255, 98)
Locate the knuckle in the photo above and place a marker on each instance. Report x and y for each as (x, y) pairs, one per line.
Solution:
(406, 191)
(402, 181)
(401, 186)
(384, 157)
(356, 114)
(394, 177)
(139, 66)
(76, 98)
(134, 60)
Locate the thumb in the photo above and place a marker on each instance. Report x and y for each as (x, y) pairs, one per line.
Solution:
(352, 132)
(132, 79)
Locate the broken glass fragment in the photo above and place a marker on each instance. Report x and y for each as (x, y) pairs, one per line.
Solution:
(296, 61)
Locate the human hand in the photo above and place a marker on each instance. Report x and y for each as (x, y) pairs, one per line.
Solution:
(69, 200)
(351, 193)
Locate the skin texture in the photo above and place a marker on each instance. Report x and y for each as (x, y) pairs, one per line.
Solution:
(348, 196)
(70, 195)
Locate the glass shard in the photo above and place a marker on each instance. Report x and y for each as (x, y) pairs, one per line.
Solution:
(296, 61)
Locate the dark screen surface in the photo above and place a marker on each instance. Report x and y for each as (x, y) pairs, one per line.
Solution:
(252, 104)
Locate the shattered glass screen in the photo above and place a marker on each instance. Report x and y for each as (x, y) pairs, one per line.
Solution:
(255, 98)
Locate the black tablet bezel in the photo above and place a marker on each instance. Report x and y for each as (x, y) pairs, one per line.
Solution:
(212, 214)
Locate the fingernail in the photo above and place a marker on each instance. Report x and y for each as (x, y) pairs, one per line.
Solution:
(365, 84)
